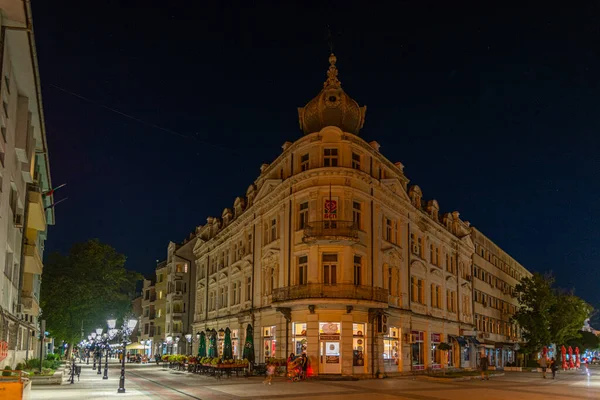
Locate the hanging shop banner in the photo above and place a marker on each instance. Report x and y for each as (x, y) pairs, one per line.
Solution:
(330, 208)
(3, 350)
(329, 337)
(436, 337)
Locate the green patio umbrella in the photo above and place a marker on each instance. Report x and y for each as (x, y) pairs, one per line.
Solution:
(227, 351)
(249, 345)
(212, 344)
(202, 345)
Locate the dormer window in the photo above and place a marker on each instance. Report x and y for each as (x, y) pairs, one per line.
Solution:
(330, 157)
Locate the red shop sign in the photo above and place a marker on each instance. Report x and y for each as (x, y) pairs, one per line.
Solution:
(3, 350)
(436, 337)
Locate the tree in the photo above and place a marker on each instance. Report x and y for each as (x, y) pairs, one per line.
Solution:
(585, 341)
(568, 315)
(533, 316)
(547, 315)
(82, 289)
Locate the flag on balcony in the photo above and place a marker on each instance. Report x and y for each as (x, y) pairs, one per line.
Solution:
(51, 191)
(55, 203)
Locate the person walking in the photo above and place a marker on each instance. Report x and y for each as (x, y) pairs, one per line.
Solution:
(543, 365)
(553, 367)
(270, 373)
(484, 364)
(304, 366)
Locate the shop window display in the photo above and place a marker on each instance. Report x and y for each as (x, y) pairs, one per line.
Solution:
(359, 343)
(418, 350)
(436, 354)
(299, 337)
(391, 346)
(270, 341)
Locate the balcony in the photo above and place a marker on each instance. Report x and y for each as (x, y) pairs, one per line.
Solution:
(37, 217)
(177, 315)
(321, 291)
(33, 261)
(330, 231)
(176, 295)
(30, 303)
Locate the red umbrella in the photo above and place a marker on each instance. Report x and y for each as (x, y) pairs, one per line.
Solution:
(571, 365)
(577, 360)
(563, 351)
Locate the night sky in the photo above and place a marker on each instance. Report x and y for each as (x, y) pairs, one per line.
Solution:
(494, 113)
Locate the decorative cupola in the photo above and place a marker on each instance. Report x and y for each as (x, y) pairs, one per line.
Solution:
(433, 209)
(332, 107)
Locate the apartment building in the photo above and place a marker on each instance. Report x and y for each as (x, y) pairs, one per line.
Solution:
(148, 317)
(331, 253)
(25, 185)
(495, 275)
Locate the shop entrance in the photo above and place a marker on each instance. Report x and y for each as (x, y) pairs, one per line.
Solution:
(331, 362)
(330, 357)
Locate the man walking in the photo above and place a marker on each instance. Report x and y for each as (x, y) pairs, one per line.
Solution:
(543, 364)
(484, 363)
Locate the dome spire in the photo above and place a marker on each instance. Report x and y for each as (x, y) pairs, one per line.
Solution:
(332, 81)
(332, 107)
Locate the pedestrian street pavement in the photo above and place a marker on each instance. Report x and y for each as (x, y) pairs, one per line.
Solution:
(154, 382)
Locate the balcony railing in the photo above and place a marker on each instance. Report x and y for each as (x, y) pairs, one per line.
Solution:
(331, 230)
(339, 291)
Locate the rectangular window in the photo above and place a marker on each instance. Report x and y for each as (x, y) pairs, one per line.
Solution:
(355, 161)
(388, 230)
(436, 296)
(234, 290)
(357, 270)
(329, 269)
(273, 229)
(413, 244)
(330, 157)
(357, 214)
(421, 286)
(413, 290)
(303, 215)
(302, 270)
(420, 247)
(304, 162)
(248, 288)
(390, 273)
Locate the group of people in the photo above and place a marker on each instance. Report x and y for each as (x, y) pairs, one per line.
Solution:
(297, 367)
(484, 364)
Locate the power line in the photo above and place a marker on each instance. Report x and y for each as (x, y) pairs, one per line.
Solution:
(141, 121)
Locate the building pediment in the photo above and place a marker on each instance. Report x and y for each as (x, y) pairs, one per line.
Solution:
(222, 275)
(393, 255)
(418, 267)
(451, 279)
(435, 272)
(396, 186)
(266, 188)
(271, 256)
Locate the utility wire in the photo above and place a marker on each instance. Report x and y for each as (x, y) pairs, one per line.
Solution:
(141, 121)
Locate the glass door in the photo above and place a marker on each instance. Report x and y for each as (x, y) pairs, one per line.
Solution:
(330, 357)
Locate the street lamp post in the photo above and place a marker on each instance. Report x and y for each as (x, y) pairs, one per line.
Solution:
(88, 349)
(94, 349)
(100, 343)
(126, 330)
(188, 337)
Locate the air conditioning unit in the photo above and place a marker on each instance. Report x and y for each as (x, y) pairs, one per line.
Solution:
(19, 220)
(382, 324)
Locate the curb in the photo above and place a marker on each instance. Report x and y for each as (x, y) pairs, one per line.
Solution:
(461, 379)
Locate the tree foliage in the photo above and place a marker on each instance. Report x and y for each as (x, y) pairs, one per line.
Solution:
(548, 315)
(83, 288)
(585, 341)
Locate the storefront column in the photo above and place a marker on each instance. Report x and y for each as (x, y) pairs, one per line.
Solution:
(312, 342)
(347, 348)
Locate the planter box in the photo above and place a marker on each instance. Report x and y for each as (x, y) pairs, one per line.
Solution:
(55, 379)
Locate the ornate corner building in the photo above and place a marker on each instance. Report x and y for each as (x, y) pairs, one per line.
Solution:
(25, 186)
(331, 253)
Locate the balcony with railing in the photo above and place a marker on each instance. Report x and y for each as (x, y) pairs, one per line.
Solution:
(330, 231)
(322, 291)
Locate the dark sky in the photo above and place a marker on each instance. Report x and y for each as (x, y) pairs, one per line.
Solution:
(495, 112)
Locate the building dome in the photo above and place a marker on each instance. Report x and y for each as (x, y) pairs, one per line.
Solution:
(332, 107)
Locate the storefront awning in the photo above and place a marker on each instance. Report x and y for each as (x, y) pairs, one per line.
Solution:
(473, 340)
(459, 339)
